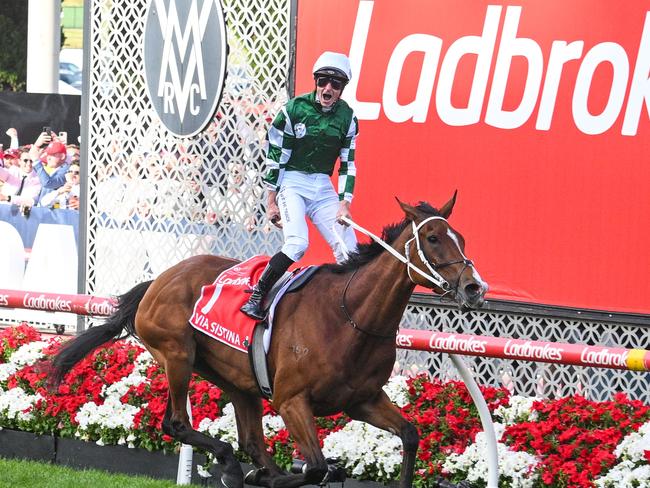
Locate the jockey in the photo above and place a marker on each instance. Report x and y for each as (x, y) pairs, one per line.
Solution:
(303, 143)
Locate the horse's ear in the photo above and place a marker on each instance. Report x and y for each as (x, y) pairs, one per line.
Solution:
(411, 212)
(446, 209)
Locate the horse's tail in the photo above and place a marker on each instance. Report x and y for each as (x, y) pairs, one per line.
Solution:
(123, 319)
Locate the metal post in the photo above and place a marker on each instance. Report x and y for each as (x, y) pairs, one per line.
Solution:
(184, 473)
(486, 421)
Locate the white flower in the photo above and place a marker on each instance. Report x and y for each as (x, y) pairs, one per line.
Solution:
(365, 449)
(120, 388)
(225, 427)
(112, 414)
(397, 390)
(472, 464)
(518, 410)
(16, 404)
(633, 471)
(633, 445)
(6, 370)
(272, 424)
(143, 361)
(28, 354)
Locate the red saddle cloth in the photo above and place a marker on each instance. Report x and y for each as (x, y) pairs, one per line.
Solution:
(216, 312)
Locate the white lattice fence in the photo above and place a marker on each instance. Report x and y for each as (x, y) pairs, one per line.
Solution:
(155, 199)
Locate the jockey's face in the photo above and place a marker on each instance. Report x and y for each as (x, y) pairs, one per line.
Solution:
(328, 90)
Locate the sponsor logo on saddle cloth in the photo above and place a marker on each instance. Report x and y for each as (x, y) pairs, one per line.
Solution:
(216, 312)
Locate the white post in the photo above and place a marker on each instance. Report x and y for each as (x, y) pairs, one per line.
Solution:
(486, 421)
(43, 45)
(184, 473)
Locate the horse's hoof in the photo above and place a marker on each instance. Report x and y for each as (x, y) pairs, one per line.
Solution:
(336, 474)
(232, 481)
(254, 476)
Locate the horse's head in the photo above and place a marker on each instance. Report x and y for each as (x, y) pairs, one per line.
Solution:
(438, 251)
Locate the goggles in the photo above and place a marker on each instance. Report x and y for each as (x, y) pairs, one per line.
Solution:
(336, 83)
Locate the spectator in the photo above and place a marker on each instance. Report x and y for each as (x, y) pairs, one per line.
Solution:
(21, 185)
(12, 159)
(50, 166)
(238, 205)
(72, 153)
(68, 195)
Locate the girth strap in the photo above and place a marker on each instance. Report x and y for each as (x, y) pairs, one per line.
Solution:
(256, 353)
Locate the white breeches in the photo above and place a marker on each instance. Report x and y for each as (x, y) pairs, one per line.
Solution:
(311, 195)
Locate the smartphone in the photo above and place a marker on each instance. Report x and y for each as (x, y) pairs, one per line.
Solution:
(63, 137)
(47, 129)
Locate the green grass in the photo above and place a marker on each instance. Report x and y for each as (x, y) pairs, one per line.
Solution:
(18, 473)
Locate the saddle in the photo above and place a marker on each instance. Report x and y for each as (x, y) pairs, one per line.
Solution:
(256, 353)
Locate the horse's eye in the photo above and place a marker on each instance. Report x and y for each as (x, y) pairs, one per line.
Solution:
(432, 239)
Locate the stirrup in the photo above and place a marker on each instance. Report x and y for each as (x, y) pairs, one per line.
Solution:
(253, 310)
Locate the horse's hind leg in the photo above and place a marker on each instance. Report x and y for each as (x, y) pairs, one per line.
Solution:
(249, 411)
(176, 422)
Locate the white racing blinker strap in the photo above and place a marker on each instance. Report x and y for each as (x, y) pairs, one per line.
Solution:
(434, 277)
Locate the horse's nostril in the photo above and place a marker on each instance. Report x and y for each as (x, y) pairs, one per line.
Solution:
(472, 290)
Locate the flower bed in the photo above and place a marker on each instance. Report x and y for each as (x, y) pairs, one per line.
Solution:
(117, 395)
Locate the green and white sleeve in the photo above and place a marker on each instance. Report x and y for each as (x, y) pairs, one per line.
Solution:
(279, 143)
(347, 168)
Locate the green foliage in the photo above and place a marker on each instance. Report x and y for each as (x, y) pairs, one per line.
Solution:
(13, 39)
(42, 475)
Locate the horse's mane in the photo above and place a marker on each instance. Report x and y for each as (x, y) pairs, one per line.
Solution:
(368, 251)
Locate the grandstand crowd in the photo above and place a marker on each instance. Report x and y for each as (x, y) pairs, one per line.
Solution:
(44, 173)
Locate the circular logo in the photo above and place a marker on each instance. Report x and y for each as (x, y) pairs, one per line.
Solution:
(185, 62)
(300, 130)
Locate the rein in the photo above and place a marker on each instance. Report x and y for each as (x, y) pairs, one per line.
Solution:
(433, 275)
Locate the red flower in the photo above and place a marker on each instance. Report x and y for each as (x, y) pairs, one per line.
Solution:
(575, 438)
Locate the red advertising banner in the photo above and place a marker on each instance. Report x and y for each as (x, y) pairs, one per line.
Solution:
(537, 112)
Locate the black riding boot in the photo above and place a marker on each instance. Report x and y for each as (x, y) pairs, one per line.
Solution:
(271, 274)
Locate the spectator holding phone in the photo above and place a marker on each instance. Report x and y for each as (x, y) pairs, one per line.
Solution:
(50, 165)
(68, 195)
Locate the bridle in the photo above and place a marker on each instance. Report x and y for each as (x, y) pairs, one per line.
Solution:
(432, 275)
(432, 267)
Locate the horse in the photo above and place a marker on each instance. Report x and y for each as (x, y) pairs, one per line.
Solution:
(332, 349)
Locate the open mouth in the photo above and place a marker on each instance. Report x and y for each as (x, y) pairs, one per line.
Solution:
(327, 96)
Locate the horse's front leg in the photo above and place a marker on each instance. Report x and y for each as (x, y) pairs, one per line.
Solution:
(381, 413)
(176, 422)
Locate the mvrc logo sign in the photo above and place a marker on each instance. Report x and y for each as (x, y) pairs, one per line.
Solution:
(185, 62)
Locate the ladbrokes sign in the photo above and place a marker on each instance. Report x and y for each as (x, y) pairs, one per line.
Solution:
(537, 112)
(185, 62)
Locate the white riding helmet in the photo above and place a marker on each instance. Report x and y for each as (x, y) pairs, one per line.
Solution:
(333, 64)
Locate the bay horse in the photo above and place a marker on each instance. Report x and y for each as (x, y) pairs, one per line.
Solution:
(333, 344)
